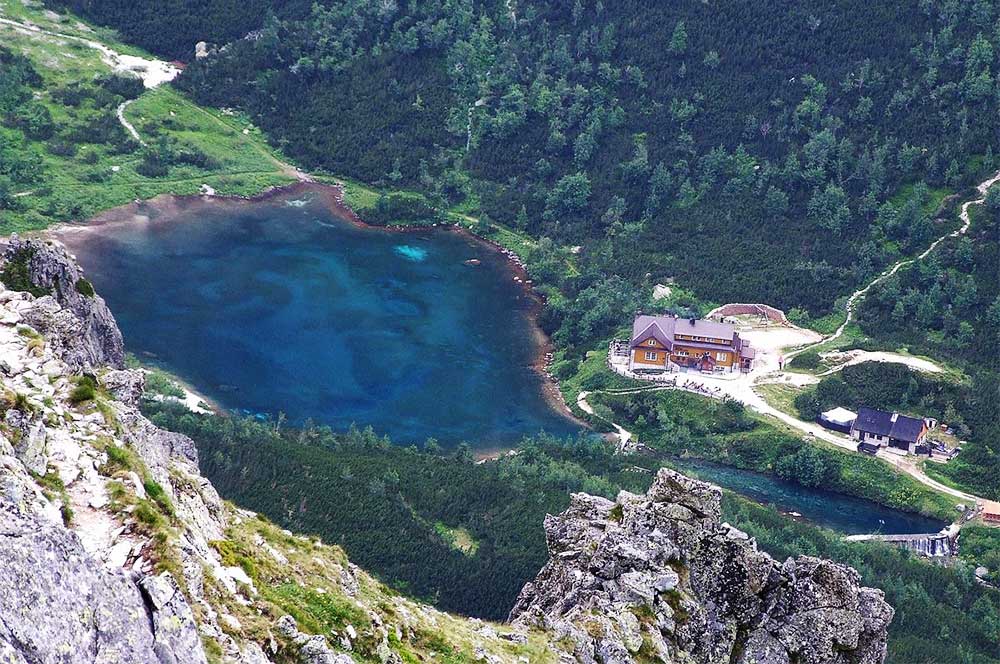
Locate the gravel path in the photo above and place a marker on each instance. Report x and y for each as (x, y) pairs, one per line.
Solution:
(859, 294)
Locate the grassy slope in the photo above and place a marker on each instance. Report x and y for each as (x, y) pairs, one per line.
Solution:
(309, 587)
(246, 164)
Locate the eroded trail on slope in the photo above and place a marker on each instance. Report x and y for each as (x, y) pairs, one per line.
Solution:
(152, 72)
(741, 389)
(851, 306)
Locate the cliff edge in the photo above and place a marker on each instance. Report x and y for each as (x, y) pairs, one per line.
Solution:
(114, 548)
(659, 577)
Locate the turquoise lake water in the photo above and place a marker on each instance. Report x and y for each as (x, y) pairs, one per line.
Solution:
(282, 305)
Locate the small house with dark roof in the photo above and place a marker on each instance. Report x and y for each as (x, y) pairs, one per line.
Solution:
(884, 429)
(664, 343)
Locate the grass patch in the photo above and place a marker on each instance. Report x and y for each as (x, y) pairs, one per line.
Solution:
(84, 391)
(16, 275)
(459, 539)
(780, 396)
(120, 460)
(16, 401)
(589, 375)
(158, 382)
(84, 287)
(54, 489)
(156, 493)
(315, 612)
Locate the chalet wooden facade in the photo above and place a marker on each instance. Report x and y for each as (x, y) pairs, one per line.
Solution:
(665, 343)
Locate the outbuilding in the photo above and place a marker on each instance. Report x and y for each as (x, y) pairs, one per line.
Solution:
(838, 419)
(991, 511)
(885, 429)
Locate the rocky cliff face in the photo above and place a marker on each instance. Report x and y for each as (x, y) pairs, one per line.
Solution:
(659, 576)
(79, 317)
(113, 548)
(93, 591)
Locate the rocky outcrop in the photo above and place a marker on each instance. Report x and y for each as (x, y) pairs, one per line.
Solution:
(660, 576)
(59, 604)
(77, 320)
(79, 571)
(114, 548)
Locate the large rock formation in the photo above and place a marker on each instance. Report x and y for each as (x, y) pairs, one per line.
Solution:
(93, 593)
(659, 575)
(114, 548)
(76, 315)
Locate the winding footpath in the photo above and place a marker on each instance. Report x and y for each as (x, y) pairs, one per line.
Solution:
(120, 112)
(623, 436)
(741, 389)
(152, 72)
(859, 294)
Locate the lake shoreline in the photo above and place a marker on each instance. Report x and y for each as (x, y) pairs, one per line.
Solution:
(163, 207)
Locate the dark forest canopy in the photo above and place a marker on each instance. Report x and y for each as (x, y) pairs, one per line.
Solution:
(393, 510)
(778, 144)
(948, 306)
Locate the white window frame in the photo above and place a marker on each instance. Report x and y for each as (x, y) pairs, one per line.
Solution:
(722, 357)
(652, 355)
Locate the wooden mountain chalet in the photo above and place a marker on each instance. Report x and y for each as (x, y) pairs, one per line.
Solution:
(667, 343)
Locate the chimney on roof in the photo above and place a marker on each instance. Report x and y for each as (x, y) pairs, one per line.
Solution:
(895, 416)
(693, 321)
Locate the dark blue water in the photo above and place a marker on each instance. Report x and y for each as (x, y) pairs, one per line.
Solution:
(845, 514)
(284, 306)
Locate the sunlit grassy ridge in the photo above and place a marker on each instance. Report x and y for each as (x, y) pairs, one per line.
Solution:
(78, 178)
(306, 579)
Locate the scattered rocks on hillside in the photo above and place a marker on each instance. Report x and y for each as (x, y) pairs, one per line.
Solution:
(660, 574)
(313, 649)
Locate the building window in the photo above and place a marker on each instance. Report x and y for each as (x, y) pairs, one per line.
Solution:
(651, 355)
(651, 342)
(722, 357)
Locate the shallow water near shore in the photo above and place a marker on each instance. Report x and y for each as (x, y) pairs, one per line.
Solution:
(285, 305)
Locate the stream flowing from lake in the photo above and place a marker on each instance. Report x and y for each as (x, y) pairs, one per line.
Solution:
(836, 511)
(285, 305)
